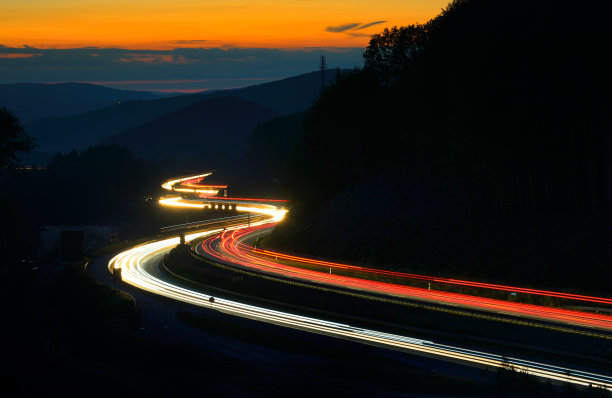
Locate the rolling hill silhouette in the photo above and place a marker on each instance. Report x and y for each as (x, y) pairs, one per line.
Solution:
(215, 129)
(77, 132)
(35, 101)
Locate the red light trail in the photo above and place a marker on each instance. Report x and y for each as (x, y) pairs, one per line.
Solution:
(231, 249)
(491, 286)
(224, 243)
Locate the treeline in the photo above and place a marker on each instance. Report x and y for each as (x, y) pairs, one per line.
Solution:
(504, 107)
(84, 187)
(101, 185)
(510, 99)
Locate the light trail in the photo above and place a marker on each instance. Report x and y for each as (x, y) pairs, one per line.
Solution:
(233, 251)
(227, 252)
(178, 201)
(373, 271)
(169, 185)
(491, 286)
(250, 200)
(259, 206)
(135, 264)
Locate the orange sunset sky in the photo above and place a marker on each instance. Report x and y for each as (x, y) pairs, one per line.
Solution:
(165, 24)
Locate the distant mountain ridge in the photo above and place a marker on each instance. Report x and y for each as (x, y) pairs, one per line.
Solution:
(35, 101)
(284, 96)
(214, 129)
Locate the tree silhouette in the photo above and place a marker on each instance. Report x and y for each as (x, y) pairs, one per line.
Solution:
(13, 139)
(389, 53)
(502, 106)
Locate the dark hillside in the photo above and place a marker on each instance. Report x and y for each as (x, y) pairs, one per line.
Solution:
(214, 130)
(80, 131)
(271, 144)
(497, 116)
(35, 101)
(285, 96)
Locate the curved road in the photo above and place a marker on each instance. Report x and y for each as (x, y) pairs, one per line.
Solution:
(139, 268)
(229, 248)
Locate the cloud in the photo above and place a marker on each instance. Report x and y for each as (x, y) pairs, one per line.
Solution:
(342, 28)
(367, 25)
(15, 56)
(185, 63)
(189, 41)
(357, 34)
(154, 58)
(351, 27)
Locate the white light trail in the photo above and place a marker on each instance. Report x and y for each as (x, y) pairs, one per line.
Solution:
(134, 263)
(180, 202)
(169, 184)
(277, 213)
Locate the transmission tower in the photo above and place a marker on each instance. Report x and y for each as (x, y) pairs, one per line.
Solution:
(323, 67)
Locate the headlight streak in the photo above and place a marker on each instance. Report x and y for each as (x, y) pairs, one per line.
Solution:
(180, 202)
(195, 190)
(276, 212)
(134, 263)
(168, 185)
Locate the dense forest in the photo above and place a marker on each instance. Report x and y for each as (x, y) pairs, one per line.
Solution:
(478, 144)
(101, 185)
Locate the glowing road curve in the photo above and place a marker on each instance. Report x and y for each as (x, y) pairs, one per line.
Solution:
(138, 267)
(229, 248)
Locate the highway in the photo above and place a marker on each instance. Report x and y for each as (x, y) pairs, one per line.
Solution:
(137, 268)
(229, 248)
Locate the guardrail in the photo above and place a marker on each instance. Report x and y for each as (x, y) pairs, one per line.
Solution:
(240, 219)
